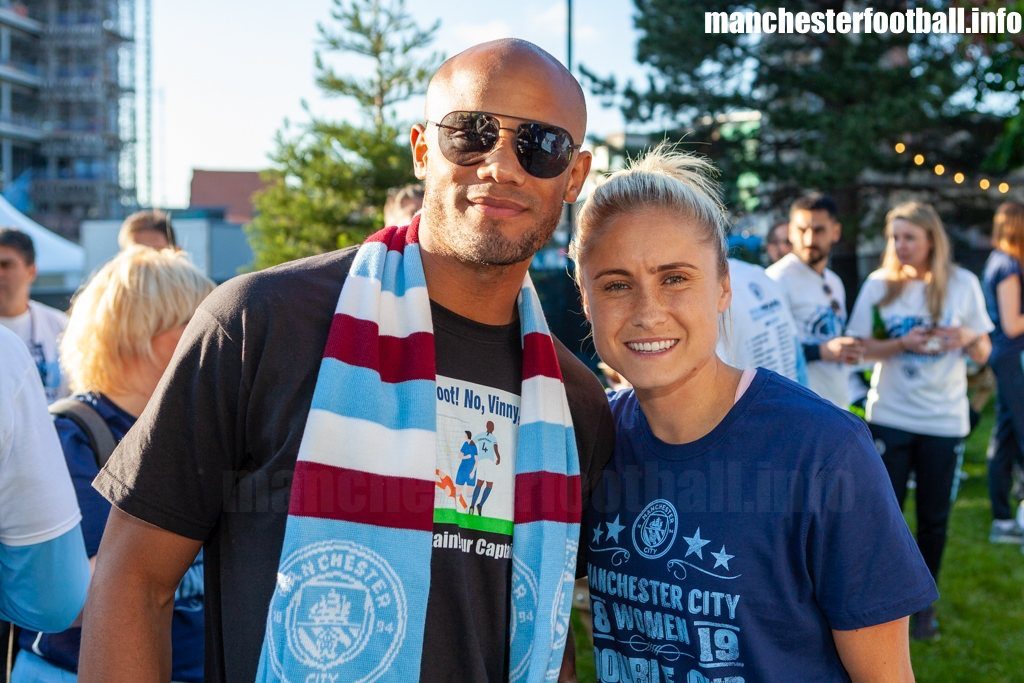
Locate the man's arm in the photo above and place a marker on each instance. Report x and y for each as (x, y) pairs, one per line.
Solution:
(880, 654)
(126, 633)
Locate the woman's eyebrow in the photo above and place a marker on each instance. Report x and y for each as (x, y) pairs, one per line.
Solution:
(613, 271)
(675, 266)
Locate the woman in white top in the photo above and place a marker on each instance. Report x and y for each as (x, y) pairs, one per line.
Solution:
(920, 315)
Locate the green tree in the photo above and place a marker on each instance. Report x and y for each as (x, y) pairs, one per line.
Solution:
(831, 106)
(1002, 75)
(329, 179)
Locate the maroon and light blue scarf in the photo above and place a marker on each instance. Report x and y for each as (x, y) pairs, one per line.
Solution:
(350, 601)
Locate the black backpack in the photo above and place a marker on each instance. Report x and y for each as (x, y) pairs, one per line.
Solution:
(101, 439)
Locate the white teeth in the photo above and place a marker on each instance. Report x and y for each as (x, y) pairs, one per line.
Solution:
(651, 347)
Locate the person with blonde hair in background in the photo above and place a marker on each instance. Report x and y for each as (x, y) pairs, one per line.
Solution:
(123, 329)
(1004, 300)
(151, 228)
(403, 203)
(765, 577)
(920, 315)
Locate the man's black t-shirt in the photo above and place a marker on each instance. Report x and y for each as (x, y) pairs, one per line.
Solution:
(213, 454)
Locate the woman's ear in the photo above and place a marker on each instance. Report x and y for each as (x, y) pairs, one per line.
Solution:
(725, 298)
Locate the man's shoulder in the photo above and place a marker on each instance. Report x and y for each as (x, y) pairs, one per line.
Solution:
(55, 316)
(311, 281)
(785, 267)
(741, 271)
(582, 389)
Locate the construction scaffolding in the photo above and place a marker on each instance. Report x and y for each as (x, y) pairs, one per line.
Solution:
(68, 107)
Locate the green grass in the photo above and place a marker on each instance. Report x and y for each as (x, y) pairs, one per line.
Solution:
(981, 611)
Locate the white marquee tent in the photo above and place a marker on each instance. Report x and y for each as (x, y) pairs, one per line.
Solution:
(60, 261)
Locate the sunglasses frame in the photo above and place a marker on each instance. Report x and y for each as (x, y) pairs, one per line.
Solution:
(573, 147)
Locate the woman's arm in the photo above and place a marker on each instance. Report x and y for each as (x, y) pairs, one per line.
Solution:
(976, 345)
(880, 654)
(915, 341)
(1008, 299)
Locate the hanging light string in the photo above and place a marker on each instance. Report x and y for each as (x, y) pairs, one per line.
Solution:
(959, 178)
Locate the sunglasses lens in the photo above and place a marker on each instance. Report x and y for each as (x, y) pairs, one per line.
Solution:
(544, 151)
(466, 136)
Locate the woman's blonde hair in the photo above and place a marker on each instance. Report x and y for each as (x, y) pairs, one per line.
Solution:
(940, 263)
(138, 294)
(1008, 229)
(664, 178)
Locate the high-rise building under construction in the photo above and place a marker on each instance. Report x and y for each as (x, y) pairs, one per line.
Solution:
(67, 109)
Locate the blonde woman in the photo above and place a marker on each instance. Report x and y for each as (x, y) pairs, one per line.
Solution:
(123, 329)
(920, 316)
(743, 528)
(1004, 299)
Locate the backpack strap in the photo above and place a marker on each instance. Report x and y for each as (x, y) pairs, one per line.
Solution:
(91, 422)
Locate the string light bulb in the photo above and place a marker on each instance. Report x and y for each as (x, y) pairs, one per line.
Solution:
(984, 183)
(958, 178)
(919, 159)
(939, 169)
(1004, 187)
(900, 148)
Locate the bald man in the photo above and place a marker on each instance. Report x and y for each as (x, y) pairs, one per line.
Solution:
(210, 462)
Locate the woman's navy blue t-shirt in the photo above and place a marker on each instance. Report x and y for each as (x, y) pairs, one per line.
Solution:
(732, 558)
(998, 267)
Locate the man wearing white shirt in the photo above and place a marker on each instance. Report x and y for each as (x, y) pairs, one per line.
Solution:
(760, 332)
(38, 325)
(816, 297)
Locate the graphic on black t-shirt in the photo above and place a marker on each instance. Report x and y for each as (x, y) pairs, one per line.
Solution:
(476, 438)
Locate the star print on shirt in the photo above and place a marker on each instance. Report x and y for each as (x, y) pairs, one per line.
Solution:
(722, 559)
(613, 529)
(695, 543)
(597, 535)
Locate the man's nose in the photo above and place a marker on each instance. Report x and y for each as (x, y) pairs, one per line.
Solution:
(501, 164)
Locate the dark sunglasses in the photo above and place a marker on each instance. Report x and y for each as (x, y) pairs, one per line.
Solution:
(466, 137)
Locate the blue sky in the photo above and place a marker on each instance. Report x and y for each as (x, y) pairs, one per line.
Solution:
(226, 74)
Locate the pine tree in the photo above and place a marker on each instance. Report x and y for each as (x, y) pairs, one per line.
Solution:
(329, 179)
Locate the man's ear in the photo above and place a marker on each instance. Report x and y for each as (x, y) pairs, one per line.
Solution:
(418, 143)
(578, 176)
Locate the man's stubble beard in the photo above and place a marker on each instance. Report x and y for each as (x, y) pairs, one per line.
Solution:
(813, 257)
(484, 244)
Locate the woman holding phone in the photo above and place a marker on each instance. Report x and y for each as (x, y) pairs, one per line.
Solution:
(921, 316)
(744, 527)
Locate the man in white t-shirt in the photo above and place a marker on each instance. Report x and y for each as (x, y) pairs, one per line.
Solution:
(44, 572)
(38, 325)
(760, 331)
(816, 297)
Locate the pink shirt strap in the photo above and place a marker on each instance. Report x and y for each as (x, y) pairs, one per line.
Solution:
(745, 380)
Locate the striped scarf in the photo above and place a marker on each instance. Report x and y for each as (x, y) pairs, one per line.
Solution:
(350, 600)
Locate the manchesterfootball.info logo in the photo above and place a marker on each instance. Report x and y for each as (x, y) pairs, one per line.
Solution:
(919, 20)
